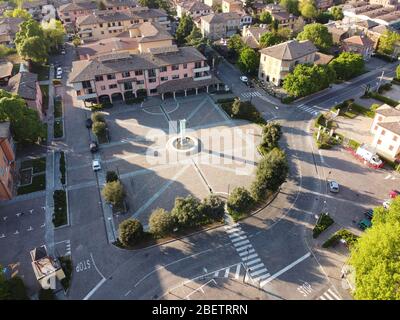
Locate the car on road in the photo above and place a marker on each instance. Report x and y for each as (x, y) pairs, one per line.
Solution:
(365, 224)
(96, 165)
(62, 51)
(88, 123)
(386, 204)
(333, 186)
(369, 213)
(59, 73)
(394, 193)
(244, 79)
(94, 147)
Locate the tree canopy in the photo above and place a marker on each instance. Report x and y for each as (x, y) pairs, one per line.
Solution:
(337, 13)
(270, 38)
(291, 6)
(25, 122)
(17, 13)
(308, 9)
(54, 33)
(184, 29)
(195, 38)
(317, 34)
(265, 17)
(235, 44)
(348, 65)
(248, 61)
(387, 41)
(130, 232)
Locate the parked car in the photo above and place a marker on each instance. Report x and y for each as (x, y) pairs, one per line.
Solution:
(368, 154)
(59, 73)
(244, 79)
(365, 224)
(89, 123)
(96, 165)
(394, 193)
(386, 204)
(94, 147)
(333, 186)
(369, 213)
(62, 51)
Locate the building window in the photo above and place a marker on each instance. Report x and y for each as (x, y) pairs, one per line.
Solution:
(394, 138)
(379, 142)
(153, 90)
(127, 86)
(185, 75)
(175, 76)
(390, 148)
(102, 32)
(152, 72)
(78, 92)
(103, 87)
(138, 72)
(163, 69)
(175, 67)
(185, 66)
(101, 25)
(126, 74)
(112, 86)
(197, 65)
(164, 78)
(140, 82)
(86, 84)
(152, 80)
(111, 76)
(98, 78)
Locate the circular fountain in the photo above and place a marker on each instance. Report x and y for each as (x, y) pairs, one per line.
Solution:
(183, 143)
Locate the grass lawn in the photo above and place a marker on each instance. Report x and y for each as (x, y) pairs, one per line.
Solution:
(62, 167)
(66, 265)
(57, 109)
(38, 165)
(42, 71)
(60, 208)
(58, 129)
(323, 223)
(38, 184)
(45, 91)
(251, 113)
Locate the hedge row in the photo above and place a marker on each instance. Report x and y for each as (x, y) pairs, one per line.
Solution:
(344, 234)
(323, 223)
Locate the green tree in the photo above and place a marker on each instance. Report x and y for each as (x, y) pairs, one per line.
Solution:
(265, 17)
(97, 117)
(161, 222)
(212, 208)
(306, 79)
(235, 44)
(101, 5)
(99, 129)
(111, 176)
(239, 200)
(54, 33)
(184, 29)
(217, 8)
(46, 294)
(113, 192)
(398, 72)
(270, 38)
(12, 289)
(130, 232)
(76, 41)
(195, 38)
(323, 17)
(390, 216)
(271, 172)
(270, 135)
(25, 122)
(291, 6)
(248, 61)
(17, 13)
(387, 41)
(274, 25)
(186, 211)
(337, 13)
(317, 34)
(4, 292)
(308, 9)
(348, 65)
(31, 42)
(149, 3)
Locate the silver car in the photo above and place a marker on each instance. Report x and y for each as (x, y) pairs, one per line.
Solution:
(333, 186)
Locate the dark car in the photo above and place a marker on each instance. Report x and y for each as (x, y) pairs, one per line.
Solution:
(364, 224)
(88, 123)
(369, 213)
(93, 146)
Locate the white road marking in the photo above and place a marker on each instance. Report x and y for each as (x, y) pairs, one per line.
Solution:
(285, 269)
(257, 266)
(216, 273)
(5, 218)
(256, 273)
(330, 295)
(239, 238)
(249, 263)
(226, 272)
(236, 234)
(237, 273)
(31, 211)
(241, 243)
(16, 232)
(388, 176)
(29, 229)
(2, 236)
(262, 277)
(246, 252)
(94, 289)
(233, 230)
(43, 225)
(250, 257)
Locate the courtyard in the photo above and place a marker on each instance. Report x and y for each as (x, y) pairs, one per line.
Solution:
(154, 173)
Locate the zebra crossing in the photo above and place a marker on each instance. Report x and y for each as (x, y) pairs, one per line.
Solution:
(330, 295)
(254, 268)
(312, 110)
(251, 94)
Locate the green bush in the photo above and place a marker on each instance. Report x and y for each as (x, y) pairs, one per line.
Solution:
(161, 222)
(243, 110)
(62, 167)
(97, 117)
(111, 176)
(58, 128)
(66, 265)
(384, 87)
(56, 82)
(114, 193)
(288, 99)
(323, 223)
(338, 235)
(382, 98)
(353, 144)
(130, 232)
(15, 289)
(187, 212)
(60, 208)
(239, 201)
(96, 107)
(212, 208)
(225, 100)
(270, 136)
(374, 107)
(46, 294)
(99, 129)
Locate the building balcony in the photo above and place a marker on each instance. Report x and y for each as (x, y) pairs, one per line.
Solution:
(202, 69)
(204, 77)
(86, 94)
(120, 28)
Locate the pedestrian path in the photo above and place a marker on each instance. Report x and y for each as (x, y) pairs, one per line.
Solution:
(311, 110)
(330, 295)
(251, 94)
(254, 268)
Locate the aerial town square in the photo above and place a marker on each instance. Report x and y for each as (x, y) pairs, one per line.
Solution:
(199, 150)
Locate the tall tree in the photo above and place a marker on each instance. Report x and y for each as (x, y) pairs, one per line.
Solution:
(308, 9)
(17, 13)
(337, 13)
(195, 38)
(270, 38)
(265, 17)
(291, 6)
(387, 41)
(54, 32)
(317, 34)
(25, 122)
(184, 29)
(348, 65)
(248, 61)
(235, 44)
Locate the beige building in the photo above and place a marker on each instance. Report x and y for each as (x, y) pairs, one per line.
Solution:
(276, 62)
(232, 5)
(195, 9)
(251, 35)
(220, 25)
(211, 3)
(386, 131)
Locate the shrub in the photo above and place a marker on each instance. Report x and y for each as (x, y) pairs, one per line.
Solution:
(288, 99)
(270, 135)
(56, 82)
(66, 265)
(60, 208)
(374, 106)
(96, 107)
(46, 294)
(212, 208)
(130, 232)
(161, 222)
(382, 98)
(16, 289)
(341, 234)
(353, 144)
(99, 129)
(226, 100)
(62, 167)
(97, 117)
(111, 176)
(323, 223)
(239, 201)
(186, 211)
(385, 87)
(114, 192)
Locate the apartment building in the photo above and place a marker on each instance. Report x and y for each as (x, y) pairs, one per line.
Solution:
(220, 25)
(7, 162)
(386, 131)
(232, 6)
(360, 44)
(102, 24)
(251, 35)
(68, 13)
(121, 76)
(8, 29)
(279, 14)
(277, 61)
(195, 9)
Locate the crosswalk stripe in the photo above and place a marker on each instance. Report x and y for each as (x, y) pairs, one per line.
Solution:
(257, 266)
(263, 270)
(226, 272)
(216, 273)
(233, 230)
(237, 273)
(328, 296)
(231, 226)
(244, 247)
(249, 263)
(239, 238)
(334, 294)
(322, 298)
(262, 277)
(250, 257)
(241, 243)
(232, 235)
(246, 252)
